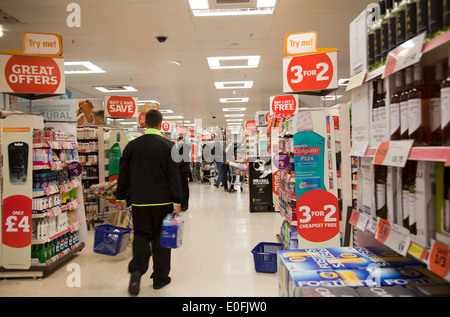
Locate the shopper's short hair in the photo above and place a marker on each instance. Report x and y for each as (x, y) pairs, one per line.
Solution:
(153, 118)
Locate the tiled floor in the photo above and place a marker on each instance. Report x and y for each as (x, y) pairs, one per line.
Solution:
(214, 261)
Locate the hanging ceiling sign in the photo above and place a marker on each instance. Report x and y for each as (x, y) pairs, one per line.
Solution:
(32, 75)
(39, 44)
(310, 72)
(283, 106)
(121, 107)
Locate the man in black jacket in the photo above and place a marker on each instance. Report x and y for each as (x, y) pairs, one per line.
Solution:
(184, 164)
(148, 172)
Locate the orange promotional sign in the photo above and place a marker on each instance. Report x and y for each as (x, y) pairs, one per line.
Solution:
(296, 44)
(121, 107)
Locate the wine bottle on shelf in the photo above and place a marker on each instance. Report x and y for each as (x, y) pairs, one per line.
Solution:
(446, 15)
(435, 106)
(422, 16)
(411, 19)
(385, 30)
(435, 17)
(381, 101)
(375, 101)
(419, 110)
(394, 108)
(404, 130)
(378, 28)
(371, 44)
(412, 199)
(408, 181)
(393, 26)
(446, 207)
(445, 108)
(380, 186)
(401, 22)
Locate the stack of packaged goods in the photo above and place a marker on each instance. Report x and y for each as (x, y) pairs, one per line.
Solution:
(357, 272)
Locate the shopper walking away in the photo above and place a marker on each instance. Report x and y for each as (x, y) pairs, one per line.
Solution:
(184, 150)
(228, 155)
(149, 173)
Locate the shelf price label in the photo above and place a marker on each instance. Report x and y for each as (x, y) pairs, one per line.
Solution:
(310, 72)
(318, 216)
(393, 236)
(394, 153)
(439, 261)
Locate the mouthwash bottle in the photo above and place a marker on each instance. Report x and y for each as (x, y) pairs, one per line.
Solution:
(309, 149)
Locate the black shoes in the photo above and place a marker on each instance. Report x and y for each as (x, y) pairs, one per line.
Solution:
(232, 190)
(135, 282)
(161, 284)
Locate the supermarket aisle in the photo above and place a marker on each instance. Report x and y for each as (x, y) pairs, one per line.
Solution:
(214, 261)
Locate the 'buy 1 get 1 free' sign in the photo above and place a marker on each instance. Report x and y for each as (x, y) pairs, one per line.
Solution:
(283, 106)
(310, 72)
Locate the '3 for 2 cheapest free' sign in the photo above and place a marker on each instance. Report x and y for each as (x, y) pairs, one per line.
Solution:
(310, 72)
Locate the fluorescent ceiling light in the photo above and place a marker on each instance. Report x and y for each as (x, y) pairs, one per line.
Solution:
(234, 125)
(234, 109)
(233, 62)
(190, 125)
(344, 82)
(235, 120)
(121, 89)
(234, 115)
(147, 101)
(234, 84)
(201, 8)
(227, 100)
(173, 117)
(165, 111)
(1, 31)
(331, 97)
(86, 68)
(199, 4)
(128, 123)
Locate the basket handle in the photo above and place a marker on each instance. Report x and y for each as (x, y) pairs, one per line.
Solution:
(127, 209)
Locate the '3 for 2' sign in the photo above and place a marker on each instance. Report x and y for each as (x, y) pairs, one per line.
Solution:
(310, 72)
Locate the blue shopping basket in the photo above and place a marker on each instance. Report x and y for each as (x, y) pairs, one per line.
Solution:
(265, 256)
(109, 239)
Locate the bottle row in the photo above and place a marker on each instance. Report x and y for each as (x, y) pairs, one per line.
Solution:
(46, 251)
(91, 159)
(399, 21)
(91, 146)
(416, 197)
(42, 204)
(419, 107)
(87, 133)
(49, 227)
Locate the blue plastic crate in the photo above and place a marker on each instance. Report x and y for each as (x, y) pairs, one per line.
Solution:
(265, 256)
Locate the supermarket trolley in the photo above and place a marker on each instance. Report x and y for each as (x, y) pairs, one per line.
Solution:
(209, 172)
(112, 239)
(239, 170)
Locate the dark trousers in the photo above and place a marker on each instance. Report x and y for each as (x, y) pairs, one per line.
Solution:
(147, 225)
(185, 188)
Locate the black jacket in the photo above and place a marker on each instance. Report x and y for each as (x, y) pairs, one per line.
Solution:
(148, 172)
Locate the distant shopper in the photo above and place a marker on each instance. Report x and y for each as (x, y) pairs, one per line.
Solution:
(184, 149)
(150, 175)
(227, 172)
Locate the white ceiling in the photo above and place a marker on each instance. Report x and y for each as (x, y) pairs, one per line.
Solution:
(119, 37)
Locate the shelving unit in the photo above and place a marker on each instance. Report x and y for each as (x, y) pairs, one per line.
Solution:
(54, 203)
(372, 230)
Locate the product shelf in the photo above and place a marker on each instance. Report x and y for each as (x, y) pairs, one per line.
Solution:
(429, 153)
(438, 43)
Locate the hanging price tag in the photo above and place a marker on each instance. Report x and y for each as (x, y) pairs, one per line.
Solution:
(359, 148)
(439, 261)
(394, 153)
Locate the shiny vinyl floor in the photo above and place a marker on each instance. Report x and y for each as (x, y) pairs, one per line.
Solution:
(215, 259)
